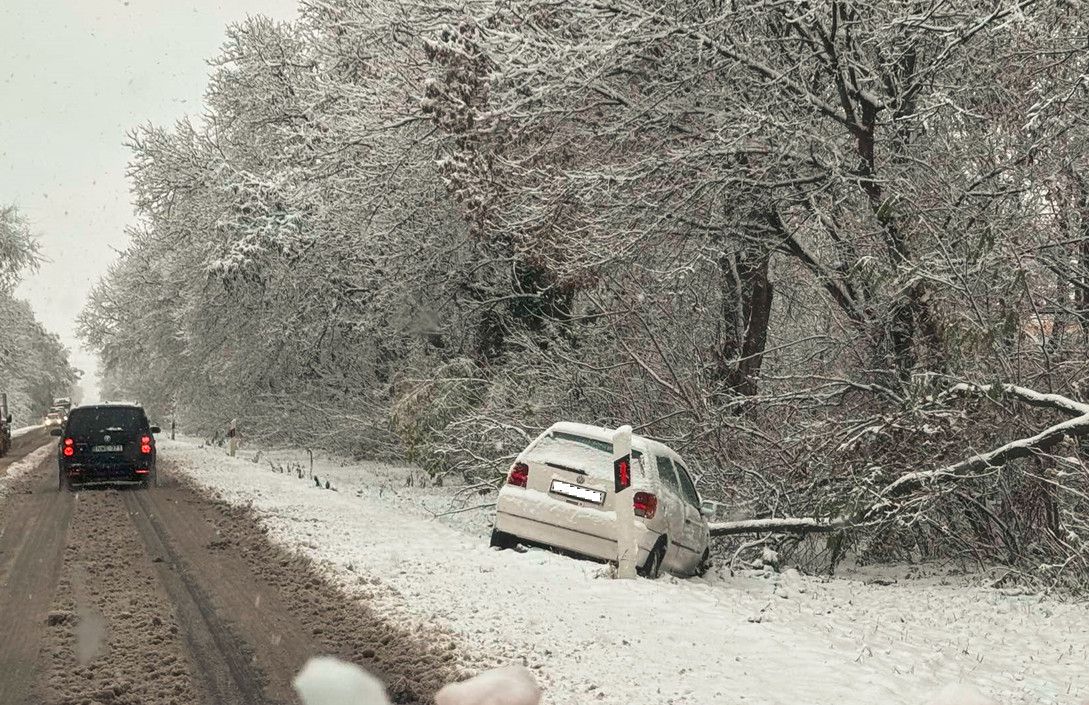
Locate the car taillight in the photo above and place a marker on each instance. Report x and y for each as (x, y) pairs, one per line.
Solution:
(69, 451)
(145, 445)
(519, 475)
(646, 505)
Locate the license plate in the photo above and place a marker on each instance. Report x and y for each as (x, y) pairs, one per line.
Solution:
(106, 449)
(577, 492)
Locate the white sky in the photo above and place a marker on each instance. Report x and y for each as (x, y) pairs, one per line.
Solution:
(75, 76)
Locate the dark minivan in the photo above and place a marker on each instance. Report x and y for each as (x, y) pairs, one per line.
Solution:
(106, 443)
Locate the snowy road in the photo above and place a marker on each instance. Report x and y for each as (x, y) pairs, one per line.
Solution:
(160, 597)
(774, 639)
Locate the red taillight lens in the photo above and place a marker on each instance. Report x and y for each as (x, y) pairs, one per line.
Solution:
(145, 449)
(519, 475)
(145, 439)
(646, 505)
(68, 441)
(69, 451)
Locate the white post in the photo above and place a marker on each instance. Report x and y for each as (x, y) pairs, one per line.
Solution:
(626, 549)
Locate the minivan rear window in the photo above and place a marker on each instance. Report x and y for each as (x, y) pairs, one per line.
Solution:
(604, 446)
(99, 419)
(579, 453)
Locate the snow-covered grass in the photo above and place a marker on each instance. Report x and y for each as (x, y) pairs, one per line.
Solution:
(756, 638)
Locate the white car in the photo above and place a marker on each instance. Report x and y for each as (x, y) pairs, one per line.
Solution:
(559, 493)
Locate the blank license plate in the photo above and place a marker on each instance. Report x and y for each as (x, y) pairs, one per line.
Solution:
(106, 449)
(578, 492)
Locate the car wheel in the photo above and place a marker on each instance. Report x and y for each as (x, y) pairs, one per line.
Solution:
(704, 565)
(653, 566)
(503, 540)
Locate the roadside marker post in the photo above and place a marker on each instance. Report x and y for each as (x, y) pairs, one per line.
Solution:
(626, 549)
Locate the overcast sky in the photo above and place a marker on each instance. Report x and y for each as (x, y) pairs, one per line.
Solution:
(75, 75)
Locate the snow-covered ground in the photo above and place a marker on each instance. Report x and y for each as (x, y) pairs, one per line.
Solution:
(24, 430)
(22, 465)
(756, 638)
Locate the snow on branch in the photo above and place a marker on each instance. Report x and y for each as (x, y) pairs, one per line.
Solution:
(1033, 398)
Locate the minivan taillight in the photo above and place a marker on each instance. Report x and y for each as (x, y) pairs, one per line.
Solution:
(519, 475)
(145, 445)
(646, 505)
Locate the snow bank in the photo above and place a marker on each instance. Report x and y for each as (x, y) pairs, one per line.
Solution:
(23, 465)
(757, 637)
(24, 430)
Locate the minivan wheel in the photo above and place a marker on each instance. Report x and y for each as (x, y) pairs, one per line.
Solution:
(503, 540)
(653, 567)
(704, 564)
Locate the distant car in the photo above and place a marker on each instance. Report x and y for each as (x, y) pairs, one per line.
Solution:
(559, 493)
(106, 443)
(54, 418)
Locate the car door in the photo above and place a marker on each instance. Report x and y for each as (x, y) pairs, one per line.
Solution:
(677, 556)
(696, 533)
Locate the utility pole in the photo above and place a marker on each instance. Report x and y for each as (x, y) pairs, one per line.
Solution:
(626, 549)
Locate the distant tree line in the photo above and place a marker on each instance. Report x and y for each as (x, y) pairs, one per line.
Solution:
(774, 234)
(34, 364)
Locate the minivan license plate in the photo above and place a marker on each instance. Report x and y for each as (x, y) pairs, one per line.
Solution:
(106, 449)
(584, 493)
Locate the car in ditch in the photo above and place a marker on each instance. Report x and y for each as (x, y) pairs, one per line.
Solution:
(559, 493)
(106, 443)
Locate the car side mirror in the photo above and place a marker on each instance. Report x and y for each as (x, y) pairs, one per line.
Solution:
(8, 419)
(56, 432)
(156, 429)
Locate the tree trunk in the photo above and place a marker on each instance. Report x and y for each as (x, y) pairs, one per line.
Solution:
(746, 314)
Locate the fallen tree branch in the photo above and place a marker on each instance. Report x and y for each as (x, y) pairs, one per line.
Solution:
(1056, 402)
(912, 482)
(1022, 448)
(782, 525)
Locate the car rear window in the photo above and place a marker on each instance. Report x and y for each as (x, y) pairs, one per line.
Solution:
(593, 456)
(96, 420)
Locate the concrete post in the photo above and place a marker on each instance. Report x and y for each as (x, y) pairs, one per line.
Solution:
(627, 551)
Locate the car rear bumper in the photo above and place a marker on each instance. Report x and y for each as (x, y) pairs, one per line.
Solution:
(106, 473)
(595, 540)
